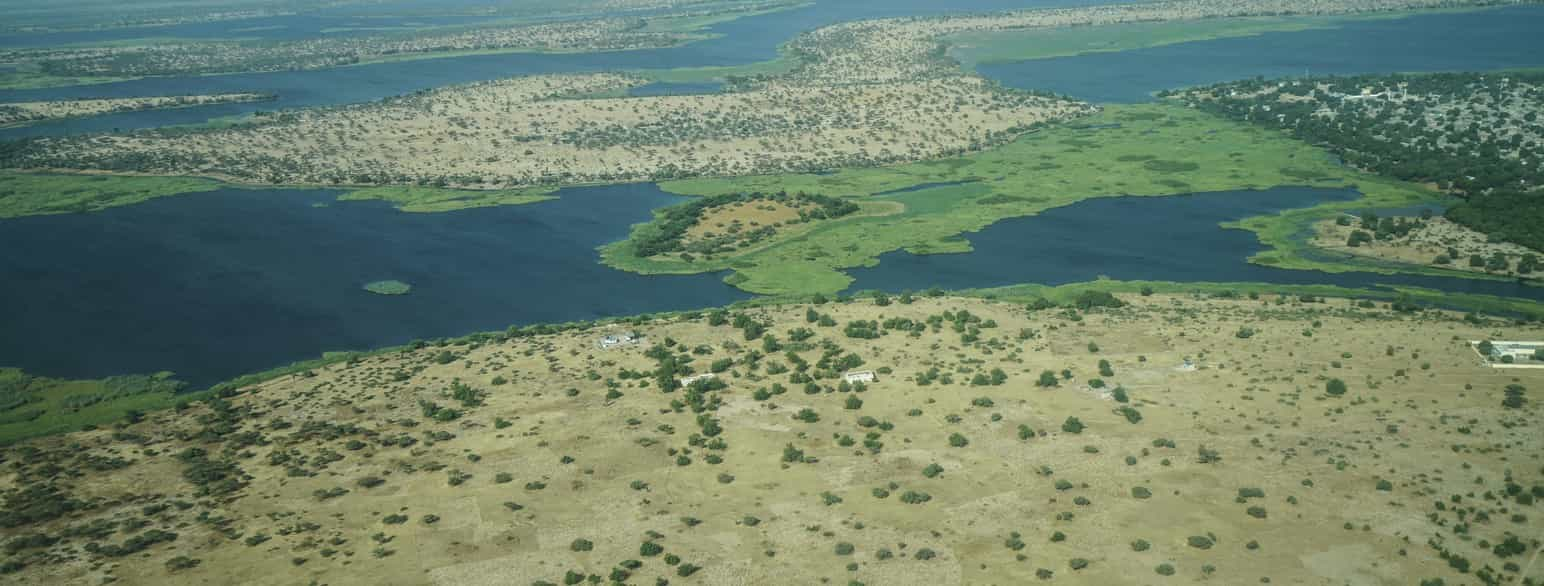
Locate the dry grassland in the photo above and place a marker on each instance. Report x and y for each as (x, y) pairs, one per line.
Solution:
(550, 474)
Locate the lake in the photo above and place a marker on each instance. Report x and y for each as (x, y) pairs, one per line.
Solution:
(1491, 39)
(1174, 238)
(220, 284)
(217, 284)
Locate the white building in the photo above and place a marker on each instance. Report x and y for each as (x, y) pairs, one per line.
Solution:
(697, 377)
(613, 340)
(861, 376)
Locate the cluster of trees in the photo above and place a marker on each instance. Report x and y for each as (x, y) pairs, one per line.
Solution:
(1475, 135)
(667, 233)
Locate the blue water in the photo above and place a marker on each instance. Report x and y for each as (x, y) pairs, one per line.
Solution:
(218, 284)
(1173, 238)
(1485, 40)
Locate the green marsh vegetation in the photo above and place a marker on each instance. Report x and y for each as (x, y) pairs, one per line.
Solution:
(35, 194)
(976, 48)
(1112, 153)
(32, 406)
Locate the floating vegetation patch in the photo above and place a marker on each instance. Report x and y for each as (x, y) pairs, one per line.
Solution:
(1002, 199)
(1163, 166)
(388, 288)
(1303, 174)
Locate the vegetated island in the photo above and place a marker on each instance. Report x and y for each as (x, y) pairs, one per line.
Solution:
(390, 287)
(881, 439)
(24, 113)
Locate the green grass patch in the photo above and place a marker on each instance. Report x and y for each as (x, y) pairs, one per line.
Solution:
(32, 194)
(33, 406)
(438, 199)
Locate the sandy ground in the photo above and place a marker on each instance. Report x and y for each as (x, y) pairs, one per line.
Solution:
(549, 130)
(1421, 413)
(17, 113)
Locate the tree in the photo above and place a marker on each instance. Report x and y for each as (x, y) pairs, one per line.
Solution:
(1335, 387)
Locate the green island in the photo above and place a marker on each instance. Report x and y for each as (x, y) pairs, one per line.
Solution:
(1111, 153)
(389, 287)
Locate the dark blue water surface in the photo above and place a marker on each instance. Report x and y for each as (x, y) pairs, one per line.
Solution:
(1469, 41)
(218, 284)
(746, 40)
(1174, 238)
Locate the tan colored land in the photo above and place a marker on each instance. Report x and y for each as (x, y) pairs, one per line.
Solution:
(21, 113)
(1237, 471)
(1435, 237)
(547, 130)
(743, 215)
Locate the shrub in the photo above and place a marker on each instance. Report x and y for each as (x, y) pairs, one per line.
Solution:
(912, 497)
(1200, 541)
(844, 548)
(1164, 569)
(1072, 425)
(932, 470)
(1141, 545)
(1141, 492)
(1335, 387)
(1131, 414)
(650, 549)
(581, 544)
(958, 441)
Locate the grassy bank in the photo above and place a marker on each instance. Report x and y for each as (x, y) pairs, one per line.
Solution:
(435, 199)
(37, 406)
(1147, 150)
(37, 194)
(977, 48)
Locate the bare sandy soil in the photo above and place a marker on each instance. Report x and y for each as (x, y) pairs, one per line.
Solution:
(1241, 469)
(550, 130)
(18, 113)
